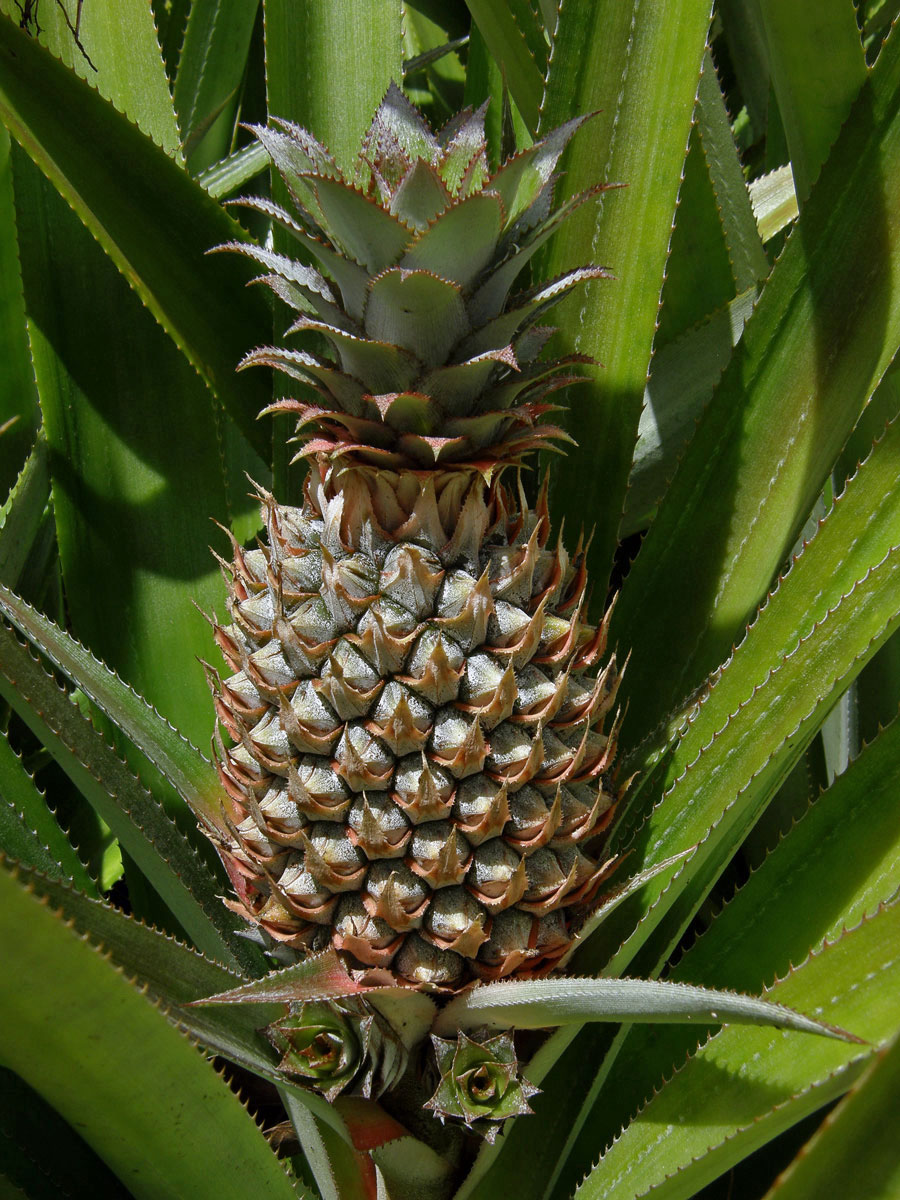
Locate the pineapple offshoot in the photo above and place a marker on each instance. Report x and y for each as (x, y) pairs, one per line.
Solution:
(417, 770)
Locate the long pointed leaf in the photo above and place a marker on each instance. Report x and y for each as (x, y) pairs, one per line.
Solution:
(341, 39)
(824, 330)
(29, 832)
(852, 551)
(125, 61)
(153, 221)
(141, 825)
(855, 1151)
(318, 977)
(817, 64)
(736, 775)
(175, 976)
(181, 763)
(849, 837)
(643, 62)
(211, 67)
(21, 515)
(509, 47)
(699, 274)
(18, 400)
(830, 565)
(746, 1085)
(748, 259)
(682, 378)
(125, 474)
(85, 1066)
(28, 1125)
(537, 1004)
(338, 40)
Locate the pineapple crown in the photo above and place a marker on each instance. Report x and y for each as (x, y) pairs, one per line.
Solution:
(417, 250)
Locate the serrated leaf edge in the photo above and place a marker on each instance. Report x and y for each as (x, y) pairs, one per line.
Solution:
(793, 969)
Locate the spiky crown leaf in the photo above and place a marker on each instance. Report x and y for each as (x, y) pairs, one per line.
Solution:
(418, 249)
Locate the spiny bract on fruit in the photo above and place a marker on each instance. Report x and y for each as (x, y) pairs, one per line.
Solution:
(419, 771)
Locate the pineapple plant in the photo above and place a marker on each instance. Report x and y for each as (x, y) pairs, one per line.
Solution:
(419, 771)
(449, 954)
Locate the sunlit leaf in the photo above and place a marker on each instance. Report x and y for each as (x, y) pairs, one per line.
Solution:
(745, 1085)
(85, 1065)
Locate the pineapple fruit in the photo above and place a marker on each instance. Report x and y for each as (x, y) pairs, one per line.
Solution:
(418, 772)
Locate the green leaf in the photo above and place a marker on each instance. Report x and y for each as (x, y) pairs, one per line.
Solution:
(28, 831)
(699, 275)
(509, 46)
(716, 248)
(853, 540)
(817, 64)
(149, 217)
(172, 971)
(125, 65)
(636, 70)
(822, 334)
(774, 201)
(22, 514)
(141, 825)
(125, 474)
(521, 179)
(476, 218)
(418, 311)
(18, 399)
(85, 1066)
(28, 1125)
(497, 334)
(484, 82)
(182, 764)
(683, 375)
(211, 68)
(744, 1085)
(539, 1003)
(368, 232)
(338, 40)
(850, 837)
(335, 41)
(420, 197)
(229, 174)
(748, 259)
(176, 976)
(829, 615)
(854, 1153)
(341, 1172)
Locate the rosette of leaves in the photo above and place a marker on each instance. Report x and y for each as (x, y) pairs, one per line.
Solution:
(758, 850)
(323, 1044)
(479, 1082)
(347, 1044)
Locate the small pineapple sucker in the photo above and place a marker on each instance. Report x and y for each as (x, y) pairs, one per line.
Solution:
(418, 771)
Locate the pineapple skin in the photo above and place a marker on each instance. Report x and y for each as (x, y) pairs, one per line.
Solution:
(416, 765)
(419, 773)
